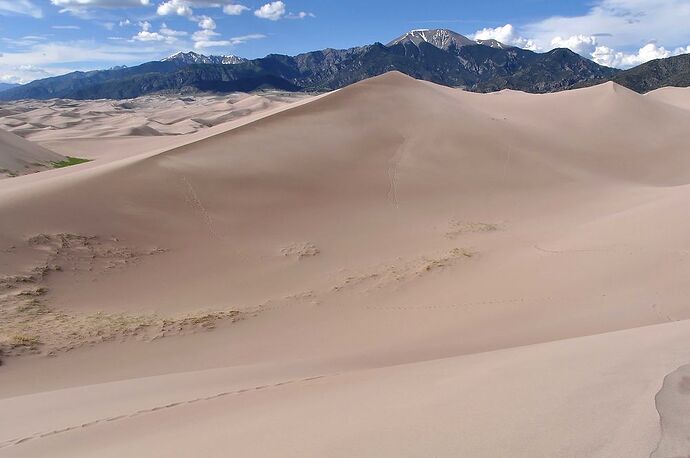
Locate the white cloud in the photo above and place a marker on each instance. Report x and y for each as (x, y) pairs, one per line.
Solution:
(275, 11)
(607, 56)
(507, 35)
(581, 44)
(175, 7)
(168, 32)
(618, 33)
(207, 37)
(207, 23)
(203, 44)
(272, 11)
(44, 59)
(165, 33)
(300, 15)
(84, 8)
(100, 3)
(185, 7)
(234, 9)
(22, 7)
(590, 47)
(23, 74)
(623, 24)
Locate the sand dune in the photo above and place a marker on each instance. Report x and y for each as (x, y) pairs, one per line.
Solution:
(19, 156)
(676, 96)
(46, 120)
(96, 129)
(395, 268)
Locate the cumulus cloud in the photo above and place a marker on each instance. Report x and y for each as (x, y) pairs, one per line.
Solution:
(164, 34)
(276, 11)
(272, 11)
(607, 56)
(590, 47)
(234, 9)
(621, 24)
(185, 7)
(507, 35)
(21, 7)
(175, 7)
(206, 36)
(581, 44)
(610, 33)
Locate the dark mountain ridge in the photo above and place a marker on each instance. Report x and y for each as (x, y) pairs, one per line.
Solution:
(438, 55)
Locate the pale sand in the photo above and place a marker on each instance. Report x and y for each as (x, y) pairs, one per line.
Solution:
(19, 156)
(393, 269)
(676, 96)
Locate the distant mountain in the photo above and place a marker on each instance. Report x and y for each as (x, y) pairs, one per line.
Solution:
(437, 55)
(671, 71)
(190, 58)
(443, 39)
(5, 86)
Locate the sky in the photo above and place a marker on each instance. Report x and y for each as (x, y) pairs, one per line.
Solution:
(43, 38)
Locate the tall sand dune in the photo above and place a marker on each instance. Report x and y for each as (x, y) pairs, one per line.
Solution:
(393, 269)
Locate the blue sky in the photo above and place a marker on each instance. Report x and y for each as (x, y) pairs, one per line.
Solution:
(41, 38)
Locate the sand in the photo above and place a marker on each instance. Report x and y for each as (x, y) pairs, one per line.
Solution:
(393, 269)
(676, 96)
(20, 157)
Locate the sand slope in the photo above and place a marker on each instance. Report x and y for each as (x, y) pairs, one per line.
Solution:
(676, 96)
(390, 269)
(19, 156)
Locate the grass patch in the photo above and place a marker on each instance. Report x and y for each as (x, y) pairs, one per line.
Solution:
(24, 341)
(68, 162)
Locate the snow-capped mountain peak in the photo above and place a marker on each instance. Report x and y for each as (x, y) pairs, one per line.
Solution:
(443, 39)
(196, 58)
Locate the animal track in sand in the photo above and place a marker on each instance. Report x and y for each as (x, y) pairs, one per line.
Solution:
(44, 434)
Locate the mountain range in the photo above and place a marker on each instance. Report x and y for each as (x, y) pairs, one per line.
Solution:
(439, 55)
(6, 86)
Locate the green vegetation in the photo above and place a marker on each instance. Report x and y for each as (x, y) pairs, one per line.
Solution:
(69, 161)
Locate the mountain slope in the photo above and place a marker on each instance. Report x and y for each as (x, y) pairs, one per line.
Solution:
(658, 73)
(5, 86)
(440, 56)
